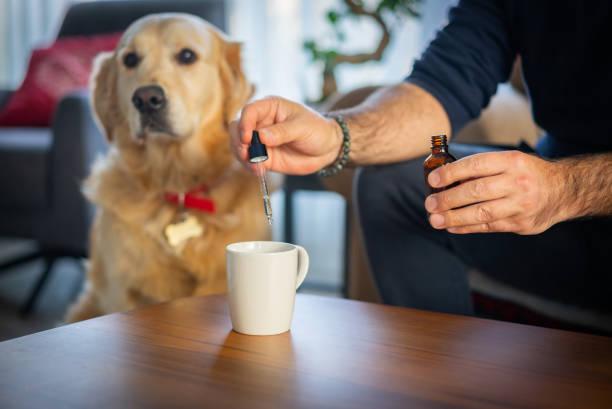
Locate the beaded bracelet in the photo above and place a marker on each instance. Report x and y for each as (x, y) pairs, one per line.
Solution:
(343, 157)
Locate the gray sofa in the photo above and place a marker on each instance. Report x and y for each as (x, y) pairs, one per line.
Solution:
(41, 169)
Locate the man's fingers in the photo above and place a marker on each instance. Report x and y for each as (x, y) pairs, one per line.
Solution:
(481, 213)
(256, 115)
(473, 191)
(499, 226)
(474, 166)
(280, 133)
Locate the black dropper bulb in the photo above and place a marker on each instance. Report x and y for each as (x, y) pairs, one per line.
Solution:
(257, 150)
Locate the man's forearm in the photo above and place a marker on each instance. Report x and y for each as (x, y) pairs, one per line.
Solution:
(587, 188)
(394, 124)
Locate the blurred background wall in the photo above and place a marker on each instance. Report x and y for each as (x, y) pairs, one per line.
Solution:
(272, 31)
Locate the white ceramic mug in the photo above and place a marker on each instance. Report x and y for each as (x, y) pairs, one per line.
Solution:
(262, 278)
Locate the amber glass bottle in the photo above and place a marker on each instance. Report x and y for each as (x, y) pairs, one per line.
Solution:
(439, 157)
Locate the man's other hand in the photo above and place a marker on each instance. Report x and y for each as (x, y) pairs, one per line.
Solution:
(499, 192)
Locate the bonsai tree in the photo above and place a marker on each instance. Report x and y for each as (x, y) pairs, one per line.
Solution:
(382, 14)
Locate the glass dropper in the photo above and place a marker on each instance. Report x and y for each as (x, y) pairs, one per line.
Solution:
(257, 155)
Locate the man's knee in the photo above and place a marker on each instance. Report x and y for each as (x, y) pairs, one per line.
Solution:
(390, 192)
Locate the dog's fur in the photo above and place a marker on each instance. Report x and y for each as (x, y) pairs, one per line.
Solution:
(131, 263)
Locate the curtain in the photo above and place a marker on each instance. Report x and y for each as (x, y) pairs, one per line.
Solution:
(25, 24)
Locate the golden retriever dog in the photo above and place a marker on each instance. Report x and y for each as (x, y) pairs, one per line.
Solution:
(169, 194)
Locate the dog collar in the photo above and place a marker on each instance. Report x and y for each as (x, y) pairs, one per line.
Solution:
(192, 200)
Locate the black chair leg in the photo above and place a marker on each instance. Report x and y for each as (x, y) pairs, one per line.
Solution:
(33, 297)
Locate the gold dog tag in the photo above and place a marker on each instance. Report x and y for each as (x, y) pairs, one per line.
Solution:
(179, 232)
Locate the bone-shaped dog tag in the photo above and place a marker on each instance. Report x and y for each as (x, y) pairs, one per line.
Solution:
(179, 232)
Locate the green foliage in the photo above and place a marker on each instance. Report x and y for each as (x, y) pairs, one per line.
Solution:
(397, 8)
(405, 7)
(317, 54)
(384, 10)
(333, 17)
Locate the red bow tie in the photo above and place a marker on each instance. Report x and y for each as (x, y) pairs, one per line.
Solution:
(192, 200)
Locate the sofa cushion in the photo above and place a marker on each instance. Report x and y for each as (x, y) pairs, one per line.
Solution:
(24, 167)
(53, 72)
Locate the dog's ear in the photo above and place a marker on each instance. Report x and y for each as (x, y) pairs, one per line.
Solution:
(103, 90)
(238, 89)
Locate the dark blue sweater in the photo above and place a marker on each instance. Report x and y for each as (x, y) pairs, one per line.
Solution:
(566, 51)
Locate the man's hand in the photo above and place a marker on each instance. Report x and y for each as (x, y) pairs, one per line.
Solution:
(299, 140)
(499, 192)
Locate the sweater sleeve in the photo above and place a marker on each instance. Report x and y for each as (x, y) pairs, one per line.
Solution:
(469, 57)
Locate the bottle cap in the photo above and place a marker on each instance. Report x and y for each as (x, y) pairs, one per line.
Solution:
(257, 150)
(438, 140)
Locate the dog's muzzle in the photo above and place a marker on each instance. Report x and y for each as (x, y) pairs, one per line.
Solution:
(151, 103)
(149, 100)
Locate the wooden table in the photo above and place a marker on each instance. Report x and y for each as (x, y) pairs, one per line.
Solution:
(339, 354)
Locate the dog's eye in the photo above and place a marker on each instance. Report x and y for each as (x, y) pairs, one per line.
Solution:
(131, 60)
(186, 56)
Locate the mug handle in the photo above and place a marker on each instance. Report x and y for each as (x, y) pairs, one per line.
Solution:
(303, 262)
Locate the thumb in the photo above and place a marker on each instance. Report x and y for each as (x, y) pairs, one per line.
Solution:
(280, 133)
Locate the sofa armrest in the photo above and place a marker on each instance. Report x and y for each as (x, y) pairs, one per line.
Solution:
(74, 127)
(76, 143)
(5, 94)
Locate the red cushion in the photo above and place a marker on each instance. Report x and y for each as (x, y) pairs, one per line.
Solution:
(53, 72)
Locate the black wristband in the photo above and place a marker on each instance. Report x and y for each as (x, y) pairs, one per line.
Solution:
(345, 149)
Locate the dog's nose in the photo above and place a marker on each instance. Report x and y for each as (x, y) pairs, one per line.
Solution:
(149, 99)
